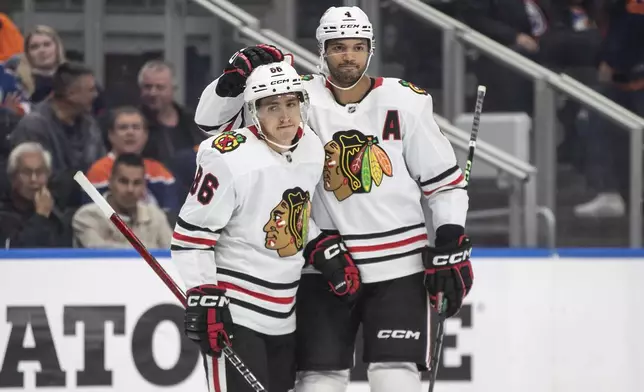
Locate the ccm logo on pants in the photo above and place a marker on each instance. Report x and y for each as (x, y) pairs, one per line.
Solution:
(453, 258)
(208, 301)
(398, 334)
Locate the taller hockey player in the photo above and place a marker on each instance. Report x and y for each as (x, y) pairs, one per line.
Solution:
(240, 235)
(384, 156)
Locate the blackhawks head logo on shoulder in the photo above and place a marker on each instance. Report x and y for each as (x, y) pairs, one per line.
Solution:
(228, 141)
(287, 227)
(354, 163)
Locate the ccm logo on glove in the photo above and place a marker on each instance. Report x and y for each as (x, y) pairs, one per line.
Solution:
(208, 301)
(454, 258)
(329, 255)
(334, 250)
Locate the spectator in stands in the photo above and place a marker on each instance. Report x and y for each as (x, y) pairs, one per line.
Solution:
(29, 215)
(44, 53)
(11, 95)
(11, 41)
(172, 127)
(621, 74)
(8, 120)
(184, 167)
(572, 46)
(126, 187)
(517, 24)
(128, 133)
(12, 108)
(64, 126)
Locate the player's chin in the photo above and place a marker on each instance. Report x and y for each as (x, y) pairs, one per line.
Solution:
(287, 133)
(348, 77)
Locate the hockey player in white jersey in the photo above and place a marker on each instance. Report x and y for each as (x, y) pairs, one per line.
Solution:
(384, 157)
(240, 235)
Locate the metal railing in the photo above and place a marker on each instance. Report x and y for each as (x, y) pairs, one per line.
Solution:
(523, 209)
(456, 35)
(248, 27)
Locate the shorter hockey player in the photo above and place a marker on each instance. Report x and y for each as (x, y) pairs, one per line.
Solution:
(239, 237)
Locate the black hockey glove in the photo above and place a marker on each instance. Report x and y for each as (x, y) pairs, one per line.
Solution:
(448, 272)
(241, 64)
(207, 320)
(329, 255)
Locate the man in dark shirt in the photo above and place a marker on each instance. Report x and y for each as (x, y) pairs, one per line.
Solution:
(64, 126)
(28, 212)
(171, 126)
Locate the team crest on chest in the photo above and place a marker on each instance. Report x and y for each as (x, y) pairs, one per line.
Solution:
(287, 227)
(354, 163)
(228, 141)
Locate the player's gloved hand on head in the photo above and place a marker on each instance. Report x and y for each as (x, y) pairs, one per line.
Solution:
(241, 64)
(329, 255)
(207, 319)
(448, 269)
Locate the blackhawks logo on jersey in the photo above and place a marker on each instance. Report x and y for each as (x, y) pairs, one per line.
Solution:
(288, 225)
(413, 87)
(228, 141)
(354, 163)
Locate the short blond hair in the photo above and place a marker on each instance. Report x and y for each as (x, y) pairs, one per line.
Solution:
(51, 33)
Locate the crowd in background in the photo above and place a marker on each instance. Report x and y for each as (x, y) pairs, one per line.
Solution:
(55, 121)
(55, 118)
(598, 42)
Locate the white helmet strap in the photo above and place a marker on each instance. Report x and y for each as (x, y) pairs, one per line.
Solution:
(267, 140)
(328, 77)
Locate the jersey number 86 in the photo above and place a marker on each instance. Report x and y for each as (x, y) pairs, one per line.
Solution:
(208, 186)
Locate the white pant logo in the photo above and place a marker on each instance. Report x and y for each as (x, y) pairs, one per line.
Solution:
(398, 334)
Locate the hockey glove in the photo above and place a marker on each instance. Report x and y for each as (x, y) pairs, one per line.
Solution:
(448, 274)
(207, 319)
(329, 255)
(241, 64)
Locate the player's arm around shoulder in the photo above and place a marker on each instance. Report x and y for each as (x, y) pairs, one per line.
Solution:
(215, 112)
(221, 105)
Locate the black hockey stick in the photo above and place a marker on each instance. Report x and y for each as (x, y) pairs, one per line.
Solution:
(113, 217)
(440, 329)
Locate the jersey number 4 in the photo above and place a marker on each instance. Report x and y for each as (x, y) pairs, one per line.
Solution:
(206, 191)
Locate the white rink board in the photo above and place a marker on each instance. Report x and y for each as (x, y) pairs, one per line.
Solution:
(535, 325)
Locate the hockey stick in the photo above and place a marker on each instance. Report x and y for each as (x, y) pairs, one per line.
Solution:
(109, 213)
(440, 329)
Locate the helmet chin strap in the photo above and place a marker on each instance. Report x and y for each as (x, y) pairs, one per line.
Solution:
(259, 130)
(328, 77)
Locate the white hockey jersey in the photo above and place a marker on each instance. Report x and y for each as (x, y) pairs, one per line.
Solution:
(245, 223)
(383, 156)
